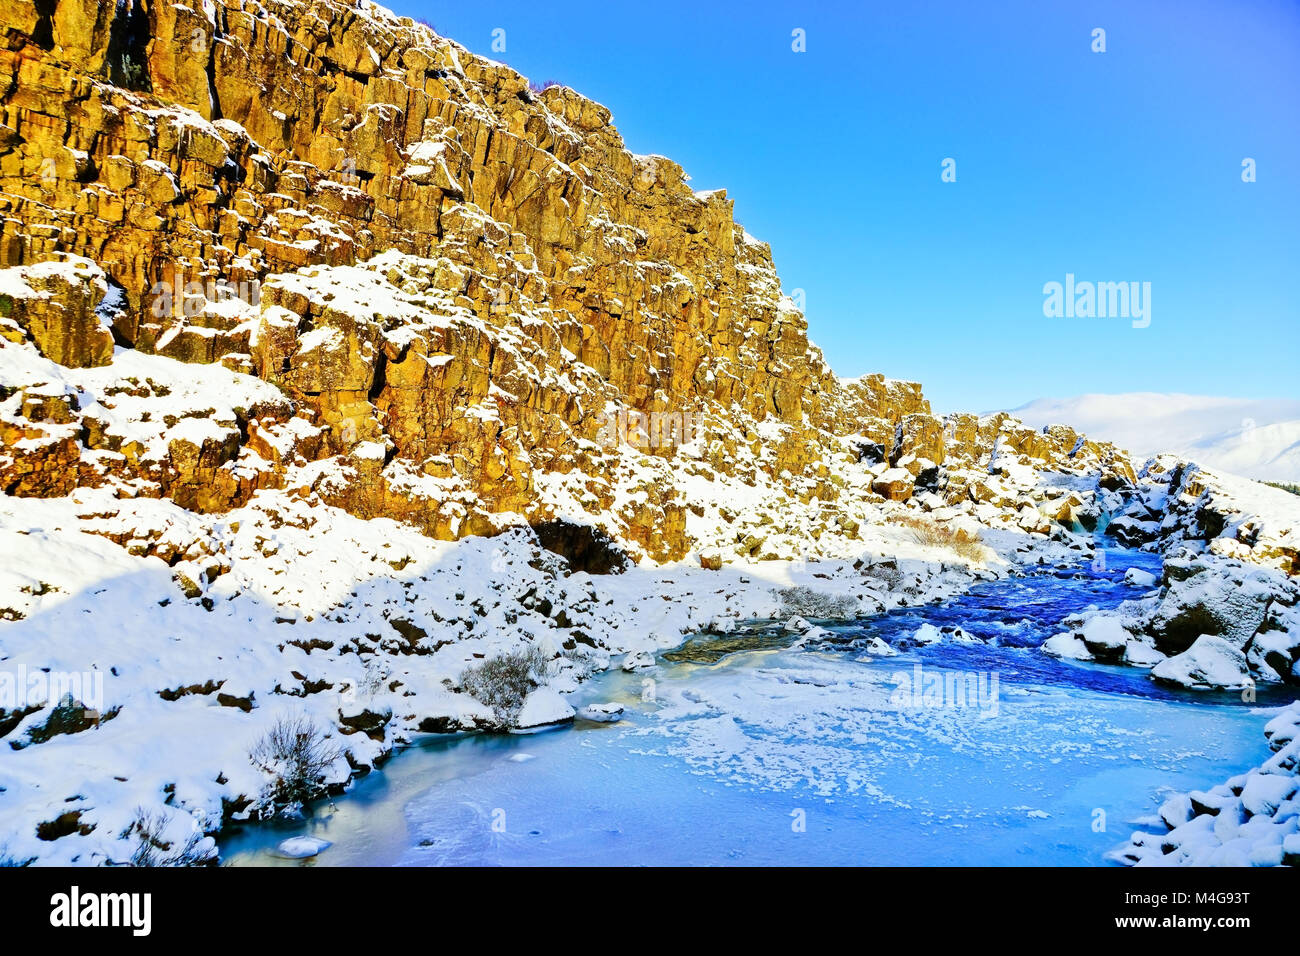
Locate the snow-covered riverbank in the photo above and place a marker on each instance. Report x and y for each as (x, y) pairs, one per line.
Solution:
(768, 747)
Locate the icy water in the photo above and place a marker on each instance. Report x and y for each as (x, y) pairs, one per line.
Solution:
(743, 749)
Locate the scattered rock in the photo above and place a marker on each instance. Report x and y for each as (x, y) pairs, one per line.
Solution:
(1211, 663)
(606, 713)
(638, 661)
(1138, 578)
(544, 707)
(302, 847)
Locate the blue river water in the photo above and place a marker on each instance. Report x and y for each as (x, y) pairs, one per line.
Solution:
(755, 749)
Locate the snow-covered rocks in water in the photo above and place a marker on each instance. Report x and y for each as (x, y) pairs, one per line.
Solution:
(606, 713)
(1283, 729)
(1106, 638)
(1068, 646)
(1139, 578)
(544, 707)
(797, 625)
(1177, 810)
(1210, 597)
(878, 648)
(1252, 819)
(638, 661)
(1211, 663)
(1141, 651)
(1265, 792)
(927, 634)
(1252, 612)
(1291, 850)
(302, 847)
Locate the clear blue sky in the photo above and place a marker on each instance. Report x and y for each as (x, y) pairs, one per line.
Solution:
(1116, 166)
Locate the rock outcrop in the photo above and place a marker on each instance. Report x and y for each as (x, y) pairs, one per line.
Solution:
(230, 165)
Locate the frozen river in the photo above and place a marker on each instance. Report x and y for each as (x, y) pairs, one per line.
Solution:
(750, 748)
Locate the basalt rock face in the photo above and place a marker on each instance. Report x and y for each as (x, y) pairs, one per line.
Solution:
(537, 269)
(469, 306)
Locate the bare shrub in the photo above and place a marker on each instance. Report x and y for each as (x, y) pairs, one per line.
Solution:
(297, 754)
(966, 544)
(807, 602)
(887, 573)
(152, 850)
(504, 681)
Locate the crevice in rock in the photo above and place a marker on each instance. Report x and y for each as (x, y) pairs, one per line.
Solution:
(128, 43)
(213, 97)
(43, 35)
(380, 379)
(584, 547)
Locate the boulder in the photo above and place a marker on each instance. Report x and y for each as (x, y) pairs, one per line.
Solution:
(711, 559)
(895, 484)
(606, 713)
(301, 847)
(1106, 638)
(1208, 602)
(1211, 663)
(543, 707)
(1136, 577)
(1067, 646)
(55, 305)
(638, 661)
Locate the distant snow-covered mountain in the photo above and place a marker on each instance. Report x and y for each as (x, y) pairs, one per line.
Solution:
(1257, 438)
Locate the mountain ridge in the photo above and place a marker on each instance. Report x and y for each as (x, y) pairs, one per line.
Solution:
(1256, 438)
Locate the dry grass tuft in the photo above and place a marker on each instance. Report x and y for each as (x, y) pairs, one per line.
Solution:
(925, 531)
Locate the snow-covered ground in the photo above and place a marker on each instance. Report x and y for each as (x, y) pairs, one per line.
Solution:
(297, 608)
(184, 638)
(1258, 438)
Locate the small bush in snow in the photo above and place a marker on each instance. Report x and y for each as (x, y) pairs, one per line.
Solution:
(806, 602)
(502, 682)
(373, 678)
(153, 850)
(297, 754)
(887, 573)
(967, 544)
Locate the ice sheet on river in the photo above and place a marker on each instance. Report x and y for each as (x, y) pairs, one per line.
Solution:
(849, 750)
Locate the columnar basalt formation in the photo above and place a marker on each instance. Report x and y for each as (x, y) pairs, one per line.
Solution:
(201, 147)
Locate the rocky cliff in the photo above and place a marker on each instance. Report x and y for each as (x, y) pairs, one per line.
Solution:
(228, 165)
(458, 282)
